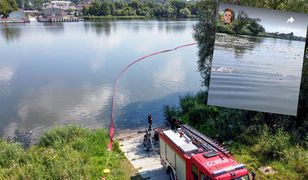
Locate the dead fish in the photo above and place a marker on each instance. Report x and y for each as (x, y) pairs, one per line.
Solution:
(222, 69)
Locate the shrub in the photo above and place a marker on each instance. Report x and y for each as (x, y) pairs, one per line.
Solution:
(272, 147)
(62, 135)
(10, 154)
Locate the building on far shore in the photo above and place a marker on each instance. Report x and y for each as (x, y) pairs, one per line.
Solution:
(53, 12)
(60, 11)
(64, 5)
(15, 17)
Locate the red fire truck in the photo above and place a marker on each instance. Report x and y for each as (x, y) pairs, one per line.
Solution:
(188, 154)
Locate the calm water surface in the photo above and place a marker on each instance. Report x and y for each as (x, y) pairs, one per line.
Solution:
(53, 74)
(260, 74)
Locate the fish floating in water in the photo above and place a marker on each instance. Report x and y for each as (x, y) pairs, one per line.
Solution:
(223, 69)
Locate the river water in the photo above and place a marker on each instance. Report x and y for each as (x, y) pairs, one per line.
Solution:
(259, 74)
(54, 74)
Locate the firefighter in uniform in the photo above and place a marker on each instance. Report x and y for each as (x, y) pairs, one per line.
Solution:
(150, 121)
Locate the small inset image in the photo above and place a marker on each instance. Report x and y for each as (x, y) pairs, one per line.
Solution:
(257, 60)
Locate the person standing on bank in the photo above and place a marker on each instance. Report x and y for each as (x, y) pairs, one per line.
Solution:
(150, 121)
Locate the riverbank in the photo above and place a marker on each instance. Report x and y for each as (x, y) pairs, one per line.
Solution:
(12, 20)
(256, 139)
(101, 18)
(68, 152)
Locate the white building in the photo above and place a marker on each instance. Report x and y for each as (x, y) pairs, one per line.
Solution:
(64, 5)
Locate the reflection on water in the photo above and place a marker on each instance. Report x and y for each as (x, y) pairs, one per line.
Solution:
(260, 74)
(99, 27)
(58, 73)
(56, 27)
(238, 46)
(6, 76)
(10, 33)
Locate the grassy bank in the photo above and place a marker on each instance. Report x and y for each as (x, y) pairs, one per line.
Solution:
(69, 152)
(290, 161)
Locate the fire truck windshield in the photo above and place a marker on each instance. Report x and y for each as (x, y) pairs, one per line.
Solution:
(246, 177)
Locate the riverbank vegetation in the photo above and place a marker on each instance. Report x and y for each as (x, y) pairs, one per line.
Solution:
(255, 138)
(69, 152)
(147, 9)
(7, 6)
(300, 6)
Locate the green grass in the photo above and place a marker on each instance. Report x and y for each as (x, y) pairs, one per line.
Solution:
(69, 152)
(257, 139)
(293, 164)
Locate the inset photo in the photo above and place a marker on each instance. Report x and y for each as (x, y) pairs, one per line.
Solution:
(258, 58)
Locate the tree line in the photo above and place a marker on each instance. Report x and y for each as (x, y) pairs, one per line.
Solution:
(148, 8)
(300, 6)
(6, 6)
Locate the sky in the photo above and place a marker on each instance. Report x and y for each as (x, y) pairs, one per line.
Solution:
(274, 20)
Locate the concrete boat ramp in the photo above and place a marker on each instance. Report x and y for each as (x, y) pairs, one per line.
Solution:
(146, 163)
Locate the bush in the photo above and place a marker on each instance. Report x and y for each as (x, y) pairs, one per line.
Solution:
(297, 158)
(272, 147)
(63, 135)
(221, 28)
(10, 154)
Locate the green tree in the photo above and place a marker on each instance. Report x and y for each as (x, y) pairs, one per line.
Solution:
(135, 4)
(240, 22)
(177, 4)
(301, 123)
(7, 6)
(112, 8)
(274, 4)
(254, 27)
(193, 9)
(120, 4)
(184, 13)
(94, 8)
(165, 11)
(105, 9)
(204, 34)
(128, 11)
(286, 5)
(145, 12)
(148, 8)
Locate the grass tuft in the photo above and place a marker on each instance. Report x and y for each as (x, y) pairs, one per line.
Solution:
(69, 152)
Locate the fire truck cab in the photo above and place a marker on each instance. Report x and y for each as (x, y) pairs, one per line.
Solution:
(188, 154)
